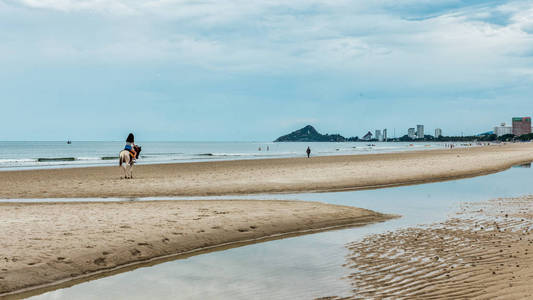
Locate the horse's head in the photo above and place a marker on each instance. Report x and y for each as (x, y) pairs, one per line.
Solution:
(138, 150)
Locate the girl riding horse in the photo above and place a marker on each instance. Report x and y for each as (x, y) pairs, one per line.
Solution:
(128, 156)
(130, 145)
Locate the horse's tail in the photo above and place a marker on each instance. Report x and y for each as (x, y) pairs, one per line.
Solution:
(120, 158)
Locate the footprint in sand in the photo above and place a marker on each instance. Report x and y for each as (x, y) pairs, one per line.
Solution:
(99, 261)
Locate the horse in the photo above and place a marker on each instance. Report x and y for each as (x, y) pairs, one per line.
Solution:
(125, 158)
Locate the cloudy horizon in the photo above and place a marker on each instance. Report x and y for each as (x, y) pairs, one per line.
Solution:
(241, 70)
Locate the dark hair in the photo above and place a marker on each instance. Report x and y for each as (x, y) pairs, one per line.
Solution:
(130, 138)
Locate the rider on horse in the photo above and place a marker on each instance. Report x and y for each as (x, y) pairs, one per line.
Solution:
(130, 146)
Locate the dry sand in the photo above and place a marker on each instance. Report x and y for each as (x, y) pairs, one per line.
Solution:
(42, 243)
(266, 175)
(485, 252)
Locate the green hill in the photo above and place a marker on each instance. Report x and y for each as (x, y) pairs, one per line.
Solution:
(309, 134)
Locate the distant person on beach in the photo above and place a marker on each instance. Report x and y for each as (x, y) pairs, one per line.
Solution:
(308, 151)
(130, 145)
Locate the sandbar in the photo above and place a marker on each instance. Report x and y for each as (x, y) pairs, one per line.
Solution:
(46, 243)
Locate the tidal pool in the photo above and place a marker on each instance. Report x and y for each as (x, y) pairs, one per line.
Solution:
(302, 267)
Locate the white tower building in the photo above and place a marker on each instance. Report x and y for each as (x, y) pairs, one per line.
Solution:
(411, 133)
(420, 131)
(378, 136)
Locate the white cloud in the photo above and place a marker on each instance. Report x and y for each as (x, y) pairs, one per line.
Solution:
(113, 7)
(265, 36)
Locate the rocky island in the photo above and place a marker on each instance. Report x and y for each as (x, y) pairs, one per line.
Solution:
(310, 134)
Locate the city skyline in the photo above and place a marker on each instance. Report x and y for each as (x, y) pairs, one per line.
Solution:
(499, 130)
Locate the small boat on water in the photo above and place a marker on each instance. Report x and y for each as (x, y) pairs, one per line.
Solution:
(69, 142)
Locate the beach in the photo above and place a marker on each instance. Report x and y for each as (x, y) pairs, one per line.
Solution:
(484, 251)
(318, 174)
(46, 243)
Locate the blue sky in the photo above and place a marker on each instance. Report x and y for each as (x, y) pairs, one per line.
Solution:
(254, 70)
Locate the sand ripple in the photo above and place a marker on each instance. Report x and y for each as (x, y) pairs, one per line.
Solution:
(483, 252)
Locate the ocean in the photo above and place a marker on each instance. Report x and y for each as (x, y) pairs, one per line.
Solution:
(35, 155)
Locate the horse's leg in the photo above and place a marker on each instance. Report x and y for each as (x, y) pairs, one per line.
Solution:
(125, 168)
(126, 163)
(123, 165)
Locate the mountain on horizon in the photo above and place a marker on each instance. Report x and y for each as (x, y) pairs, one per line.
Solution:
(310, 134)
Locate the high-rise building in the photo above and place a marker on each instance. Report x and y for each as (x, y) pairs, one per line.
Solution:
(367, 136)
(420, 131)
(411, 133)
(385, 134)
(503, 129)
(521, 126)
(378, 135)
(438, 132)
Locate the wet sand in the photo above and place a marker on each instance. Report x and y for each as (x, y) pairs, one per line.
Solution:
(331, 173)
(44, 243)
(483, 252)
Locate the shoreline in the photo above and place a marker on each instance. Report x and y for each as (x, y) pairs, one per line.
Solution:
(75, 159)
(88, 240)
(265, 176)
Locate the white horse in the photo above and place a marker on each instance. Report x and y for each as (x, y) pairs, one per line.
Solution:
(125, 161)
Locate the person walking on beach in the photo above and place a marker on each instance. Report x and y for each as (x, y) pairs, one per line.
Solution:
(130, 145)
(308, 151)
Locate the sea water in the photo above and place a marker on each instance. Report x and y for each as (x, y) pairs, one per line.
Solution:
(32, 155)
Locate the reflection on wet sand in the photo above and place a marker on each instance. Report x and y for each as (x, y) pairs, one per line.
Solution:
(65, 241)
(304, 267)
(484, 251)
(527, 166)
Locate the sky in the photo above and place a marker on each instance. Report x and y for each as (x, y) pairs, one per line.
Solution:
(218, 70)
